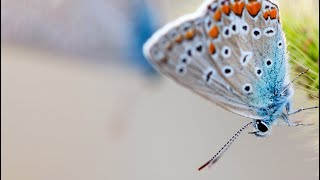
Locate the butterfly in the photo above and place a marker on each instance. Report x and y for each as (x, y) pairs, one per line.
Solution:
(233, 53)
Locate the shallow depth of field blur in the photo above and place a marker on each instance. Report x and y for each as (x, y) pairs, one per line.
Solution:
(80, 102)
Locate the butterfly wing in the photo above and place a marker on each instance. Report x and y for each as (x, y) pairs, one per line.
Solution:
(229, 52)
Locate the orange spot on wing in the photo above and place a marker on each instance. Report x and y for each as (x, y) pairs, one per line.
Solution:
(237, 8)
(212, 48)
(273, 13)
(270, 13)
(179, 39)
(190, 34)
(266, 14)
(214, 32)
(226, 9)
(253, 8)
(217, 15)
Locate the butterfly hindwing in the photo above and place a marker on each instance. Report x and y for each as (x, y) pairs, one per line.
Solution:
(228, 52)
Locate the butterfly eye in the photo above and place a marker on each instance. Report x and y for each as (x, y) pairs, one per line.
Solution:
(261, 126)
(256, 33)
(263, 129)
(268, 63)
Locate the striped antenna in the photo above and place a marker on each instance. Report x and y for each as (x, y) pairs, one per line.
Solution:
(217, 156)
(292, 81)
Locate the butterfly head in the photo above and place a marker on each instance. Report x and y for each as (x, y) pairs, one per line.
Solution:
(262, 128)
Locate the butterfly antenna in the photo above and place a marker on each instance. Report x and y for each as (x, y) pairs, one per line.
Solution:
(217, 156)
(287, 86)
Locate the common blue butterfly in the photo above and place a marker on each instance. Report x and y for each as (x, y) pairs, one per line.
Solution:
(233, 53)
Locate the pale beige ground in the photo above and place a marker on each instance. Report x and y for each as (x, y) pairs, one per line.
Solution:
(63, 120)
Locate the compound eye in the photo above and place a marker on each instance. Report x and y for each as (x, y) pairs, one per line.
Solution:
(261, 126)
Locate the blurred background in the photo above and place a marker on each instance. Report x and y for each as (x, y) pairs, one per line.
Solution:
(80, 102)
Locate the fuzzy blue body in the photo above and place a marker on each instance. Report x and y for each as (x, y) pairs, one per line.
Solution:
(269, 95)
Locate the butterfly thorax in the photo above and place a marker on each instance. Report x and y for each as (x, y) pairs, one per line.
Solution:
(276, 106)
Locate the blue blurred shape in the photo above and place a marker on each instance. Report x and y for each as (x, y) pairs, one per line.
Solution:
(143, 25)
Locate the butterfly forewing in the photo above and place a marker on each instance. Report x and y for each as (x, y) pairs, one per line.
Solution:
(230, 52)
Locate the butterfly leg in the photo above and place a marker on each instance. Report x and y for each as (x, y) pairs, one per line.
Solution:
(285, 117)
(302, 109)
(291, 124)
(290, 112)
